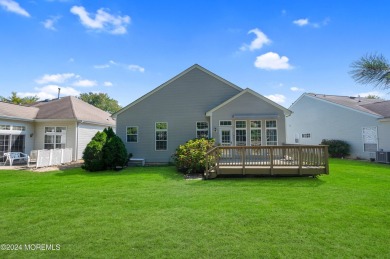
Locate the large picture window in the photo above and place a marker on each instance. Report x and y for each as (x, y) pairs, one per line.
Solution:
(132, 134)
(271, 132)
(202, 129)
(161, 136)
(55, 137)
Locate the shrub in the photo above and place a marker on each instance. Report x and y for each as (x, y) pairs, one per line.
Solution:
(105, 151)
(93, 153)
(115, 153)
(336, 148)
(190, 157)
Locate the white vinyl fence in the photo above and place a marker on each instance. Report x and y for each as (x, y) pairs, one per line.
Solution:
(49, 157)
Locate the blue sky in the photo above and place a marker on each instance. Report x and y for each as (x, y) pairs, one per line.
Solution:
(127, 48)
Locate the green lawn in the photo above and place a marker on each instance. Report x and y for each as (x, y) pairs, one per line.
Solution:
(154, 212)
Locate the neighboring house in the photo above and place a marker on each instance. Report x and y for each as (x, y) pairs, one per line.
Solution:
(363, 123)
(197, 103)
(61, 123)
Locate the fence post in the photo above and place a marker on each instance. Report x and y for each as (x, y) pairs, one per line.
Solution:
(243, 155)
(272, 160)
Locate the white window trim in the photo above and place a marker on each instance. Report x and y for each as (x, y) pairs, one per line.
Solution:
(196, 130)
(155, 140)
(231, 123)
(255, 128)
(245, 129)
(132, 134)
(363, 143)
(271, 128)
(55, 133)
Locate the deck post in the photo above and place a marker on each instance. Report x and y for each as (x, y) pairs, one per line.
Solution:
(300, 160)
(326, 155)
(243, 158)
(272, 160)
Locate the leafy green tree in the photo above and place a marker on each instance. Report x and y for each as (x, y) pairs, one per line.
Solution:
(372, 96)
(14, 98)
(372, 69)
(101, 101)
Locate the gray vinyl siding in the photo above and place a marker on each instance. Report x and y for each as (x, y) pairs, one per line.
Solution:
(85, 133)
(324, 120)
(181, 104)
(250, 105)
(384, 135)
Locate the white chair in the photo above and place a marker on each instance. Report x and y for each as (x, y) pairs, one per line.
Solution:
(12, 156)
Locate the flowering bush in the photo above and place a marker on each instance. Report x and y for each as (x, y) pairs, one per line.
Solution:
(190, 157)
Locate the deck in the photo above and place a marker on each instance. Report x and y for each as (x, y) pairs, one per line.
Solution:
(267, 160)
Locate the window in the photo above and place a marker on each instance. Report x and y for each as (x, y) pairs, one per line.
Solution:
(11, 127)
(5, 127)
(306, 135)
(370, 139)
(132, 134)
(161, 136)
(11, 143)
(271, 133)
(255, 133)
(55, 137)
(202, 129)
(225, 123)
(240, 133)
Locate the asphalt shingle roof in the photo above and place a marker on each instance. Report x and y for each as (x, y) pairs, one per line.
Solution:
(376, 107)
(66, 108)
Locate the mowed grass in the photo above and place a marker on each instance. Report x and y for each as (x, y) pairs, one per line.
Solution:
(153, 212)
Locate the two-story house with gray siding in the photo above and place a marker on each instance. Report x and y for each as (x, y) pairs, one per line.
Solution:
(363, 123)
(198, 103)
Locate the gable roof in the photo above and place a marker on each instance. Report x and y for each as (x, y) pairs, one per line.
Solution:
(195, 66)
(14, 111)
(360, 104)
(286, 112)
(66, 108)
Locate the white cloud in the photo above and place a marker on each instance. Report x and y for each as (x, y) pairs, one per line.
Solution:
(108, 84)
(50, 92)
(56, 78)
(301, 22)
(49, 23)
(111, 63)
(260, 40)
(85, 83)
(103, 21)
(101, 66)
(136, 68)
(272, 61)
(13, 7)
(278, 98)
(306, 22)
(297, 89)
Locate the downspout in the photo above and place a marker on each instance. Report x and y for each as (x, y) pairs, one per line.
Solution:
(211, 126)
(76, 141)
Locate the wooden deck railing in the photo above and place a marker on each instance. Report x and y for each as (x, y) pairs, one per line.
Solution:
(290, 159)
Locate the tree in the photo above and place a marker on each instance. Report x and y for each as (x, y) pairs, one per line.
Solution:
(101, 101)
(372, 96)
(372, 69)
(14, 98)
